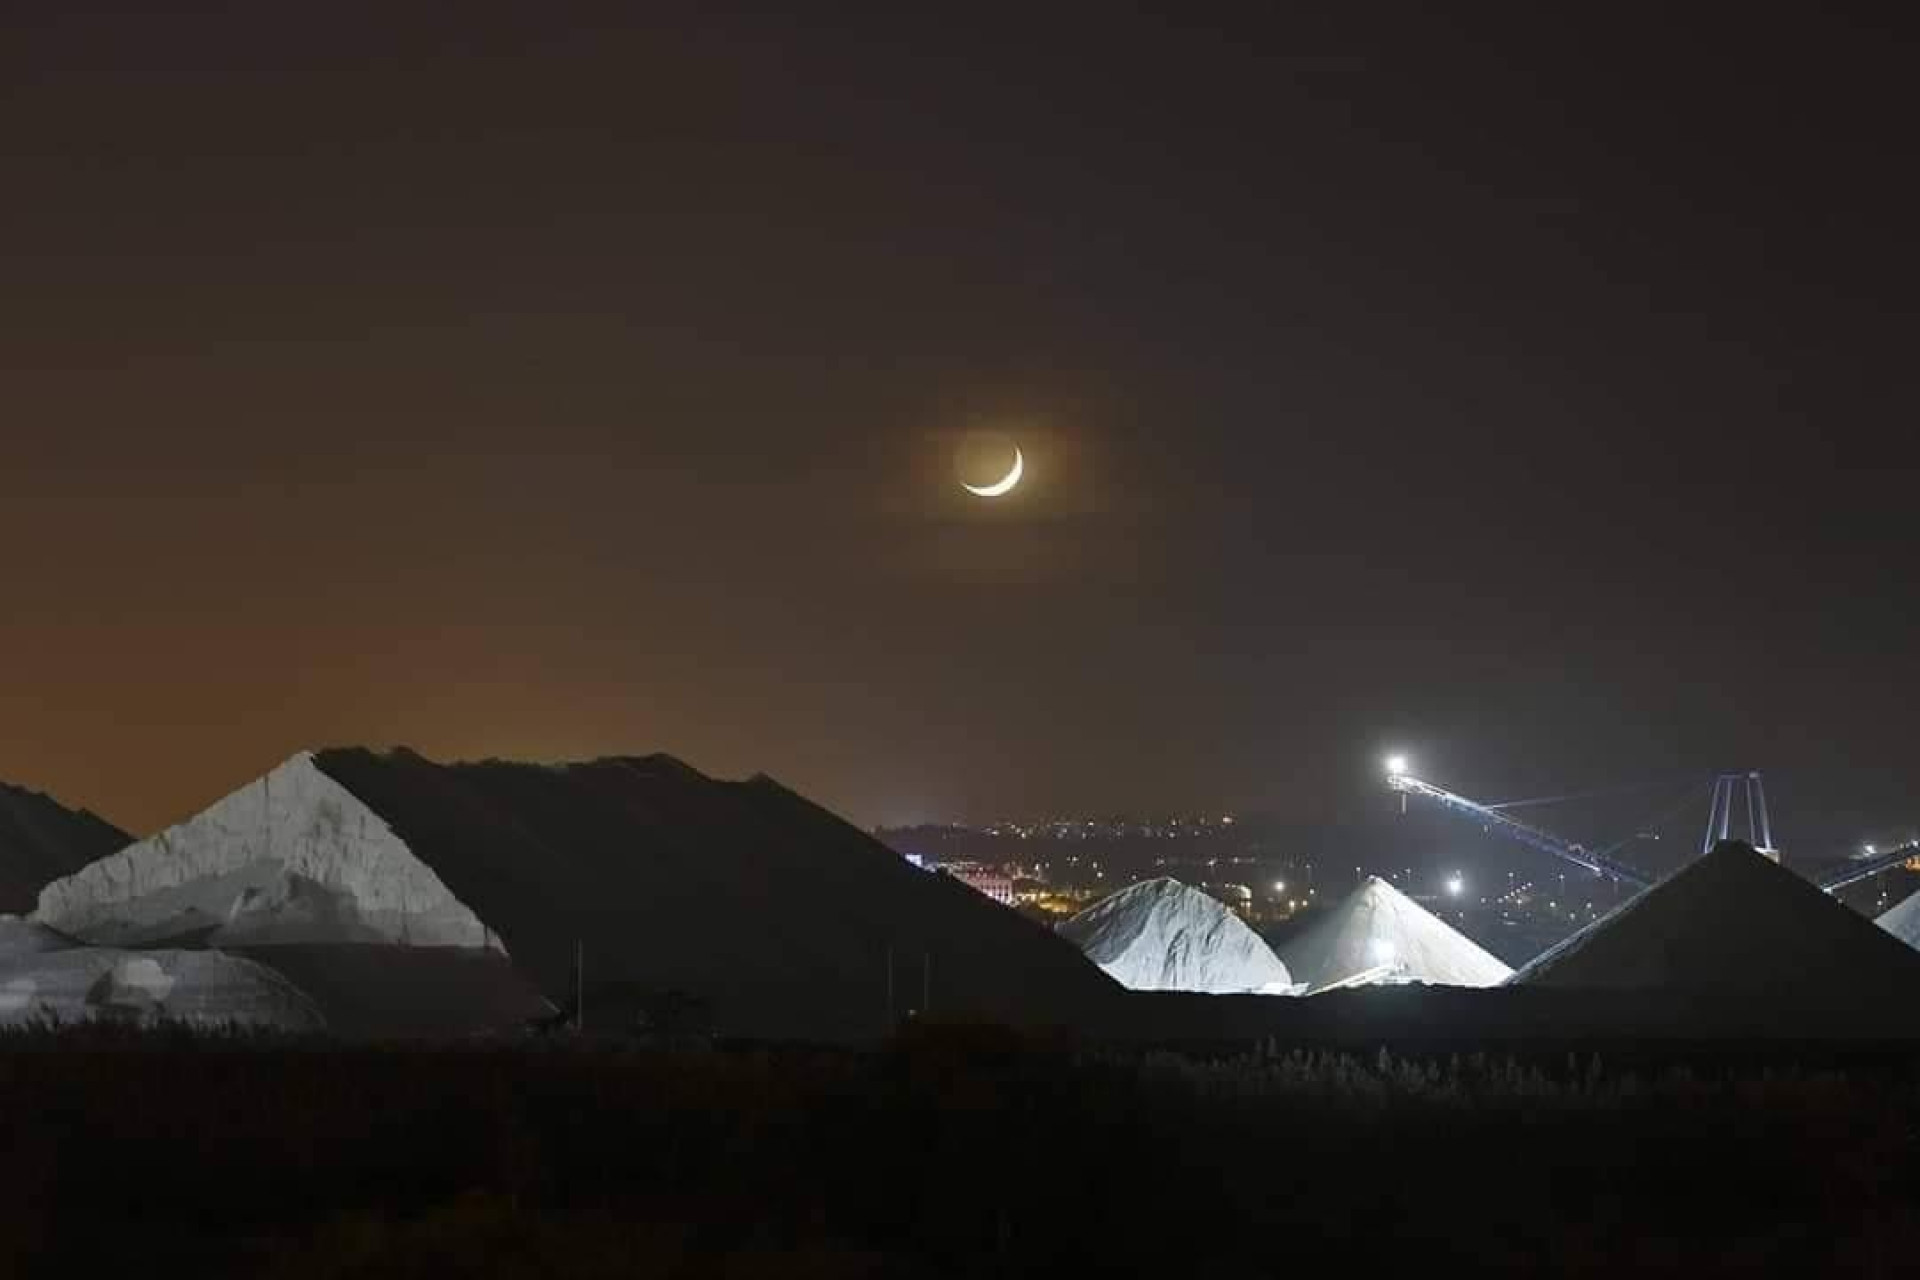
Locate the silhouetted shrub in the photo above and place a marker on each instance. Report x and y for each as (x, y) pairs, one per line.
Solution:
(955, 1150)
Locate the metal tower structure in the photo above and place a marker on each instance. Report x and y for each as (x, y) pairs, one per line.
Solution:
(1720, 813)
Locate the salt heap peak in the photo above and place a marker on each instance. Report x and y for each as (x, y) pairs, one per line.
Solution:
(1379, 935)
(1737, 923)
(292, 857)
(1903, 920)
(1162, 935)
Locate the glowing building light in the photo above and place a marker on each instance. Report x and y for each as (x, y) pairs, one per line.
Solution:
(1396, 765)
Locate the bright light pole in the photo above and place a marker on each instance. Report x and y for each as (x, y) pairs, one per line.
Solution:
(1396, 772)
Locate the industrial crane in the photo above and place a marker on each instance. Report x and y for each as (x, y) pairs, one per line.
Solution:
(1533, 837)
(1873, 864)
(1720, 826)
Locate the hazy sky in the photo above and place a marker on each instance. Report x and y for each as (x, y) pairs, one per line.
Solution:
(562, 381)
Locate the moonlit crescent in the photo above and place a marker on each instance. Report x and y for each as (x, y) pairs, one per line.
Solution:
(1004, 484)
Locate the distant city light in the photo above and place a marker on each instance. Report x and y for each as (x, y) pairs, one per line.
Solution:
(1279, 886)
(1870, 850)
(1455, 886)
(1396, 765)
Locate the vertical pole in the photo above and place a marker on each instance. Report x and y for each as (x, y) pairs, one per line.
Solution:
(1753, 828)
(1713, 816)
(1766, 824)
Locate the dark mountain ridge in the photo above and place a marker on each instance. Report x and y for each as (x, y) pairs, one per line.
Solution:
(42, 840)
(780, 915)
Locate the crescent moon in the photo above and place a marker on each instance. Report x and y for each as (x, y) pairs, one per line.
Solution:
(1004, 484)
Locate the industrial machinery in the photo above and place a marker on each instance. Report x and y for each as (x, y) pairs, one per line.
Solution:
(1872, 864)
(1720, 814)
(1721, 825)
(1600, 864)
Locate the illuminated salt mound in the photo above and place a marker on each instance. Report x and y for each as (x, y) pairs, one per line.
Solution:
(1736, 924)
(1903, 920)
(1379, 935)
(293, 857)
(199, 988)
(1161, 935)
(40, 841)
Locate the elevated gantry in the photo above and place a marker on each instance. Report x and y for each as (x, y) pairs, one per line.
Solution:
(1600, 864)
(1720, 826)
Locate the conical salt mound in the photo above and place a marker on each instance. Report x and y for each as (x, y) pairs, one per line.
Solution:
(1161, 935)
(1903, 920)
(1736, 923)
(1378, 934)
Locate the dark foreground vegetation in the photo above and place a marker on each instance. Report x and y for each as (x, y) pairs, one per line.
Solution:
(956, 1151)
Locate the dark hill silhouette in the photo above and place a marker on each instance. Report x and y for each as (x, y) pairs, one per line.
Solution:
(42, 840)
(1737, 931)
(776, 913)
(394, 993)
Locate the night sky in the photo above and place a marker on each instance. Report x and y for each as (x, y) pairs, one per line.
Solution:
(547, 382)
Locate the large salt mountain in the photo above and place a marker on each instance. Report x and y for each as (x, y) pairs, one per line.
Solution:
(1743, 936)
(295, 872)
(1162, 935)
(391, 888)
(42, 840)
(292, 857)
(1379, 935)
